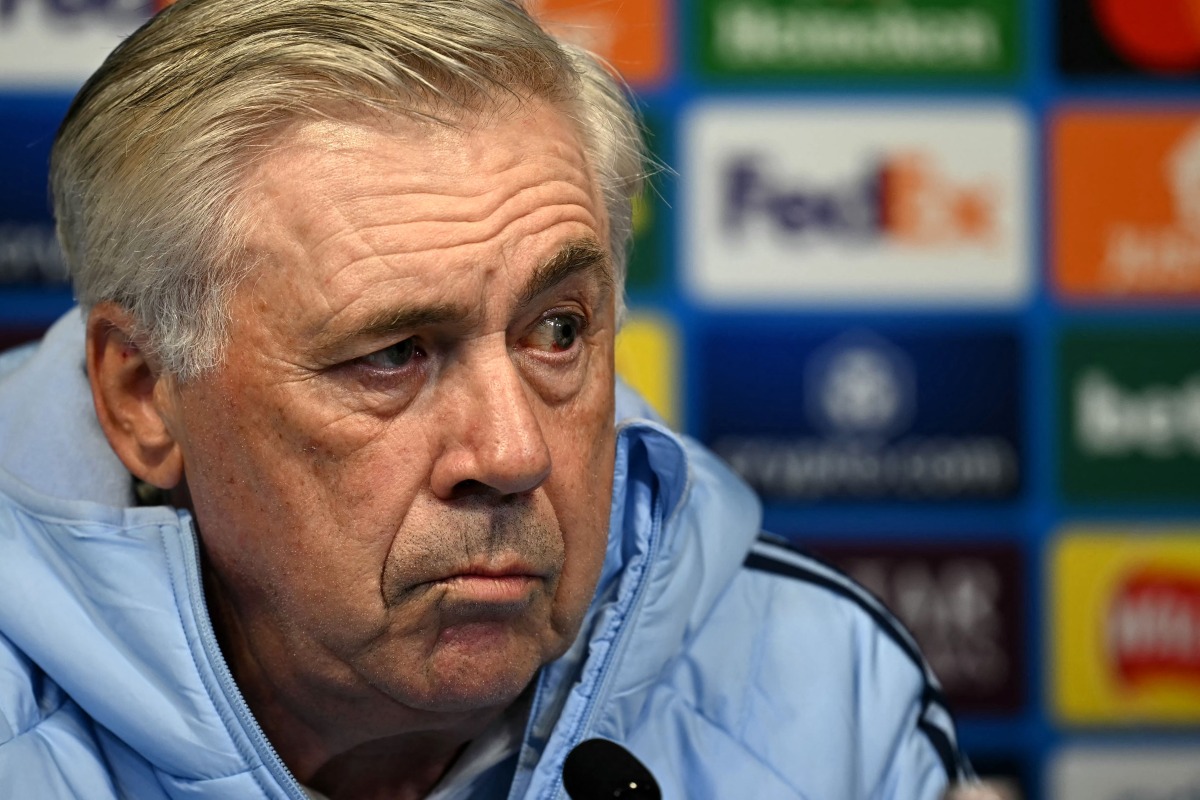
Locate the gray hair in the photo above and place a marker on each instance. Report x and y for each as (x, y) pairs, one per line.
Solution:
(146, 167)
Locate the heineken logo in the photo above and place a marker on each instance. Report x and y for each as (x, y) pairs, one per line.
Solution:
(755, 33)
(859, 36)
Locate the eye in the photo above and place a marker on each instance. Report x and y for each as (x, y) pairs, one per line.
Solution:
(396, 356)
(557, 333)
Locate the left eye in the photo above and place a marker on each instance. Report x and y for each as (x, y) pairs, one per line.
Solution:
(394, 357)
(557, 333)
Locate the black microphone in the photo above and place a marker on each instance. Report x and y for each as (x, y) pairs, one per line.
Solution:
(602, 770)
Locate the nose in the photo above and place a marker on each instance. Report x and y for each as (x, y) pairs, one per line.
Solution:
(493, 444)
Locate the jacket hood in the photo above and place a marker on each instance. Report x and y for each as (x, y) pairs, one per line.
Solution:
(135, 648)
(45, 398)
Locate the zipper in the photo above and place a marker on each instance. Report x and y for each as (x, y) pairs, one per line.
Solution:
(618, 646)
(208, 640)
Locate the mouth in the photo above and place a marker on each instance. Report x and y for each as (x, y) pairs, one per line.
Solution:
(490, 588)
(511, 581)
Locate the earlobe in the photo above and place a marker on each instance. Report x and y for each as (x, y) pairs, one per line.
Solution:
(132, 398)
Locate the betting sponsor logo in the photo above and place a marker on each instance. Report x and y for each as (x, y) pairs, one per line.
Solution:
(1127, 226)
(630, 36)
(1130, 414)
(1169, 772)
(1126, 626)
(59, 43)
(859, 36)
(1118, 37)
(961, 601)
(828, 415)
(834, 204)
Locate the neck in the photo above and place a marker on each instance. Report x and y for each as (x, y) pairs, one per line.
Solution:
(405, 769)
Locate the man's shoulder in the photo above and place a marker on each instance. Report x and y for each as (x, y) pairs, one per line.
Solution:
(817, 619)
(821, 658)
(836, 603)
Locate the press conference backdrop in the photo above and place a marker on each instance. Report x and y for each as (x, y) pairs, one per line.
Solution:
(927, 274)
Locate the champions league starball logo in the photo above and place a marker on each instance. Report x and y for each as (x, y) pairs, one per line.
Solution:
(860, 386)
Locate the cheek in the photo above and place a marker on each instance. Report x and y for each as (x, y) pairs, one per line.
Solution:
(582, 485)
(274, 480)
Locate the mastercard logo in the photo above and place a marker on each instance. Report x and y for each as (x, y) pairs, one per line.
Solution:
(1157, 35)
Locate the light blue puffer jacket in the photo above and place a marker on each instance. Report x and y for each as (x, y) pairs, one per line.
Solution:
(731, 667)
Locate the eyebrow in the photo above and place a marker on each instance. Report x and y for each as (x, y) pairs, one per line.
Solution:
(578, 256)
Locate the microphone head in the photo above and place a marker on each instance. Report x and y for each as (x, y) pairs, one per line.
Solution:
(598, 769)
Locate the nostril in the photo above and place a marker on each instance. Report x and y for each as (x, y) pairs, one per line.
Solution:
(470, 488)
(474, 488)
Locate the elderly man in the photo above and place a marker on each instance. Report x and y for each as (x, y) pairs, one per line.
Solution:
(321, 494)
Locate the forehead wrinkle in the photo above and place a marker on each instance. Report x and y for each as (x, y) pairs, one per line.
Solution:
(419, 211)
(354, 241)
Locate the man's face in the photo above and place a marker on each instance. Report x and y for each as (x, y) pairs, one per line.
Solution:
(402, 472)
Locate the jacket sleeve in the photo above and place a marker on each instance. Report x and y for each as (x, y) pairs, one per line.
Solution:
(925, 759)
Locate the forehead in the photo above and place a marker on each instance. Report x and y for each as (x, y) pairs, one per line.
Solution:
(375, 193)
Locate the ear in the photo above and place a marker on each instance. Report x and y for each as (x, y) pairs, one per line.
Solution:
(134, 399)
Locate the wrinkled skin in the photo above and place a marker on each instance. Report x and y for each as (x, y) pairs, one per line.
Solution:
(402, 470)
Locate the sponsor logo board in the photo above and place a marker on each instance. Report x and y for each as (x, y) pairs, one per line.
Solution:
(1129, 414)
(836, 204)
(1119, 37)
(29, 252)
(1125, 773)
(961, 601)
(1127, 226)
(13, 335)
(1003, 777)
(651, 213)
(59, 43)
(1126, 627)
(647, 358)
(859, 37)
(810, 415)
(630, 36)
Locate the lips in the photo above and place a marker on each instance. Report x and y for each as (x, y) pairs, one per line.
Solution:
(485, 588)
(491, 583)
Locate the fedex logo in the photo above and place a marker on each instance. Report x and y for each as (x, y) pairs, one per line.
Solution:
(820, 203)
(904, 198)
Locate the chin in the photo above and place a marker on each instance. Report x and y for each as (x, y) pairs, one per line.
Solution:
(470, 673)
